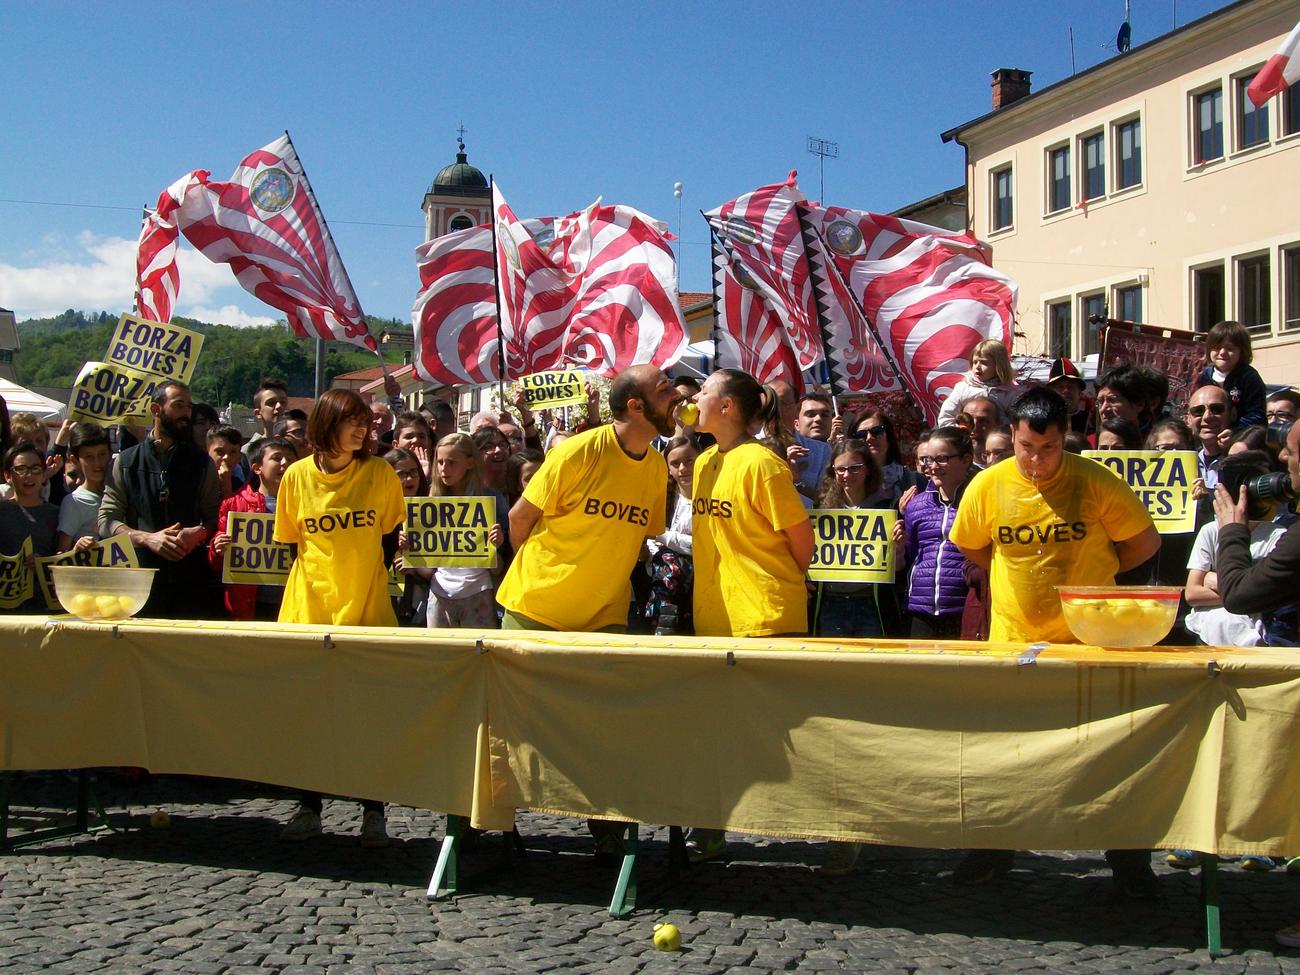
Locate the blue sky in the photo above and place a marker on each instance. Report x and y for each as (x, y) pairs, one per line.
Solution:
(106, 104)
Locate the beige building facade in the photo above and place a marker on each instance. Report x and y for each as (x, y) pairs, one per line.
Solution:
(1149, 189)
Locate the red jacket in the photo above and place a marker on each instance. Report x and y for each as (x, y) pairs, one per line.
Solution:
(241, 600)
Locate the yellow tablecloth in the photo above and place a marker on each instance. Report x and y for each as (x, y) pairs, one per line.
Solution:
(921, 744)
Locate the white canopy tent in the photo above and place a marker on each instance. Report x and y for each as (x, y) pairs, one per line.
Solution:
(19, 399)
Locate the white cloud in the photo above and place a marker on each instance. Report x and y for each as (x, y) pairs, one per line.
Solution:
(226, 315)
(92, 273)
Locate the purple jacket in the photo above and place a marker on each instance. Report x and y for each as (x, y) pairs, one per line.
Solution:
(936, 585)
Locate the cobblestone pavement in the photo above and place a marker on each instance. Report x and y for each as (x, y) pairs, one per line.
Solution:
(217, 892)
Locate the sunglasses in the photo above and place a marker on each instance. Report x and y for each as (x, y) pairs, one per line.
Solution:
(864, 432)
(1215, 408)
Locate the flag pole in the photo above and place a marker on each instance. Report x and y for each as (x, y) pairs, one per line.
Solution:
(320, 343)
(819, 301)
(496, 281)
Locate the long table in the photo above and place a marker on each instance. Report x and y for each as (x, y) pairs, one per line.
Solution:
(934, 744)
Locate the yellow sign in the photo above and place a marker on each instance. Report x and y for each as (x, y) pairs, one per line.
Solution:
(450, 532)
(1162, 479)
(111, 393)
(543, 390)
(163, 350)
(396, 580)
(15, 577)
(253, 557)
(852, 545)
(115, 552)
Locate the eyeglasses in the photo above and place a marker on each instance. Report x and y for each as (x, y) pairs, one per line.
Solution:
(848, 469)
(28, 469)
(936, 460)
(1215, 408)
(1275, 415)
(864, 432)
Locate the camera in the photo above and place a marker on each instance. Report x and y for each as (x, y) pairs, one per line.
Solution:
(1275, 434)
(1270, 488)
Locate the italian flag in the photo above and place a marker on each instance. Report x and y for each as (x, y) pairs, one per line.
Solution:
(1280, 71)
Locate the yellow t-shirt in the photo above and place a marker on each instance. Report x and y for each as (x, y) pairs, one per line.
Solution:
(747, 582)
(574, 572)
(1053, 533)
(338, 522)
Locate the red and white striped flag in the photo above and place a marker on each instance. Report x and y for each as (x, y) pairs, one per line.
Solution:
(763, 238)
(1279, 72)
(265, 223)
(455, 313)
(747, 334)
(596, 289)
(929, 294)
(158, 279)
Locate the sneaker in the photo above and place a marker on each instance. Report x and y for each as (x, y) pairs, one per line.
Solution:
(1183, 859)
(1289, 935)
(840, 858)
(706, 848)
(304, 825)
(374, 834)
(981, 866)
(1257, 863)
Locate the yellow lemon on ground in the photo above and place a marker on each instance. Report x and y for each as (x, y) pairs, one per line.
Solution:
(160, 820)
(667, 937)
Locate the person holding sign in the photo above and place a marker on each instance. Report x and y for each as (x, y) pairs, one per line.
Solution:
(341, 510)
(460, 595)
(849, 609)
(27, 524)
(271, 459)
(79, 511)
(1049, 519)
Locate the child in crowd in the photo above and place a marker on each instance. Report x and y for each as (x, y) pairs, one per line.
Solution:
(1118, 433)
(936, 585)
(997, 447)
(1227, 349)
(272, 457)
(670, 566)
(463, 596)
(520, 468)
(90, 450)
(412, 605)
(225, 446)
(990, 375)
(25, 516)
(849, 609)
(32, 429)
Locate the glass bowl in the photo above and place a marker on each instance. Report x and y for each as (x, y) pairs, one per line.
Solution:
(100, 592)
(1120, 616)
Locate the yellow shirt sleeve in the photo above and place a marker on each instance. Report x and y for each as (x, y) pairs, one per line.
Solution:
(970, 529)
(286, 509)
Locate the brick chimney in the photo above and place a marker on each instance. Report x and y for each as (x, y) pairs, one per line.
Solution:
(1009, 85)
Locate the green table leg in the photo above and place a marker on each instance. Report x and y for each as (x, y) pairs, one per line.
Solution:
(624, 902)
(1210, 898)
(444, 880)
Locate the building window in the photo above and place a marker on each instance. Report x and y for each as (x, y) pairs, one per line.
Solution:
(1254, 296)
(1058, 329)
(1128, 154)
(1002, 199)
(1290, 112)
(460, 222)
(1058, 179)
(1128, 303)
(1252, 122)
(1208, 106)
(1093, 150)
(1291, 288)
(1208, 297)
(1094, 313)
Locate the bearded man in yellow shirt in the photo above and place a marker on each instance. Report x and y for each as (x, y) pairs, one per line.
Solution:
(1044, 520)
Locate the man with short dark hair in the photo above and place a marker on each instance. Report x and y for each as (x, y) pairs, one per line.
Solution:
(807, 455)
(1283, 406)
(163, 494)
(1049, 519)
(270, 400)
(985, 417)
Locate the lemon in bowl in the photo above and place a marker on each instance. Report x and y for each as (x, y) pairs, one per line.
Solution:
(101, 592)
(1120, 616)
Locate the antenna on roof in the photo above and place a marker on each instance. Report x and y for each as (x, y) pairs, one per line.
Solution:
(1124, 39)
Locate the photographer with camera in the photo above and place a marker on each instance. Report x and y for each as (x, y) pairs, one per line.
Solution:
(1259, 587)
